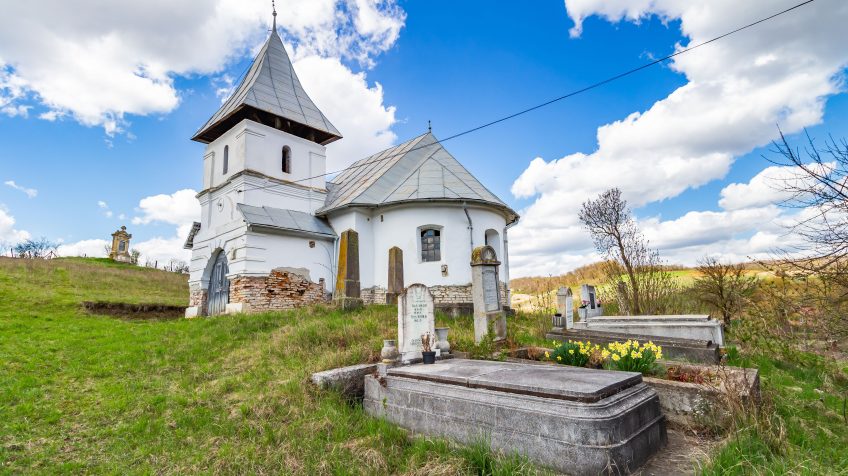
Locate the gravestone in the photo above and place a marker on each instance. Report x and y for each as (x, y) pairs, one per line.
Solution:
(347, 295)
(565, 309)
(395, 286)
(590, 307)
(415, 318)
(485, 294)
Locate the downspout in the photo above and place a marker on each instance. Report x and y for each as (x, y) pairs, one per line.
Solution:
(506, 262)
(470, 229)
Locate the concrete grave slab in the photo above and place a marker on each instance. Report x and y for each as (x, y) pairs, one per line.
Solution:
(565, 383)
(695, 326)
(528, 409)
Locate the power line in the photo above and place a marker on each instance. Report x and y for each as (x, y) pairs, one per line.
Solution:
(564, 96)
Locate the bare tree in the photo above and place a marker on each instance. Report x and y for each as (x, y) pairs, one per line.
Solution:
(35, 248)
(135, 254)
(817, 183)
(723, 287)
(616, 236)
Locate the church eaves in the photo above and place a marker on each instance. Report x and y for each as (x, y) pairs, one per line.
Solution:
(271, 94)
(417, 170)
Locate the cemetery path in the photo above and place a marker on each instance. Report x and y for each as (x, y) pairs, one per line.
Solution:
(683, 455)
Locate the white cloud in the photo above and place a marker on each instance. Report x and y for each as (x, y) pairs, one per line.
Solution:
(164, 249)
(768, 186)
(95, 248)
(8, 233)
(737, 89)
(178, 208)
(102, 204)
(30, 192)
(104, 62)
(356, 109)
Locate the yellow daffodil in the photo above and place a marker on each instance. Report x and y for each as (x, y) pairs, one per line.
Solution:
(547, 355)
(615, 357)
(559, 357)
(571, 351)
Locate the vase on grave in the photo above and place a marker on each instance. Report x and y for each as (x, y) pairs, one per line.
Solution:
(389, 353)
(442, 340)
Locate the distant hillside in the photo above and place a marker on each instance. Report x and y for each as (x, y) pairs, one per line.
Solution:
(593, 274)
(33, 286)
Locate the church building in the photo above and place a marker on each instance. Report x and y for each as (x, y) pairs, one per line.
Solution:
(268, 234)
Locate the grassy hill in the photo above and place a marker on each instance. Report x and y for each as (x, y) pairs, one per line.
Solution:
(84, 393)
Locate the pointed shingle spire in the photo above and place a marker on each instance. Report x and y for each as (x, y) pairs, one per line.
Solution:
(271, 94)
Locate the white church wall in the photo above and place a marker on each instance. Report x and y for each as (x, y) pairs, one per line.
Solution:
(360, 221)
(400, 226)
(213, 160)
(258, 192)
(264, 150)
(268, 251)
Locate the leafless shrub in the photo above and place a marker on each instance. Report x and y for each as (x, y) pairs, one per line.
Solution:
(817, 183)
(724, 287)
(633, 270)
(35, 248)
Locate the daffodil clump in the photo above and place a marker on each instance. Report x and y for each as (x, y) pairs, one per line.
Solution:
(631, 356)
(573, 353)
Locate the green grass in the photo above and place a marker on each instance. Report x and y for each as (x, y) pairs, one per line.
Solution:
(96, 394)
(84, 393)
(804, 428)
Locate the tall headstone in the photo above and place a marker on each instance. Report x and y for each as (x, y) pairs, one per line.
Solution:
(347, 295)
(485, 294)
(395, 286)
(590, 307)
(415, 318)
(565, 309)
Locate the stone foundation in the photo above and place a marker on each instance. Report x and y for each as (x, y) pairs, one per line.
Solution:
(374, 295)
(197, 299)
(454, 300)
(278, 291)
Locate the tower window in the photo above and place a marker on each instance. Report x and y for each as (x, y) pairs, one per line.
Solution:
(286, 160)
(431, 245)
(226, 159)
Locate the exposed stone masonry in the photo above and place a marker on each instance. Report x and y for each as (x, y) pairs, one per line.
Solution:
(279, 290)
(374, 295)
(198, 298)
(453, 299)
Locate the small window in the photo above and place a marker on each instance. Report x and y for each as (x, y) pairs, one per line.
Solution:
(226, 159)
(286, 160)
(431, 245)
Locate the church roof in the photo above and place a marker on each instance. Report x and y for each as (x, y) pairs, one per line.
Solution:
(270, 92)
(285, 220)
(417, 170)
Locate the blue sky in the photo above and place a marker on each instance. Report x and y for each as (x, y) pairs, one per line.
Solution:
(457, 64)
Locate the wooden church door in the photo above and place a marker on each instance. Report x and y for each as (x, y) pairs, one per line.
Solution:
(219, 285)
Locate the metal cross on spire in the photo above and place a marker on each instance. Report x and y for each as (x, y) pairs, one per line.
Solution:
(274, 9)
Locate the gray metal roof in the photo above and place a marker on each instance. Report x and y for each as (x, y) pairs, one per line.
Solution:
(271, 85)
(419, 169)
(287, 220)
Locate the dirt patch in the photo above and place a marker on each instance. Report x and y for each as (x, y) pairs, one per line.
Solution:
(134, 311)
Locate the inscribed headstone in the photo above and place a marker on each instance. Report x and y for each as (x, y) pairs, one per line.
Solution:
(415, 318)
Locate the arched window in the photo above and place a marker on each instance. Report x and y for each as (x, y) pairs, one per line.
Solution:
(286, 160)
(226, 159)
(431, 247)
